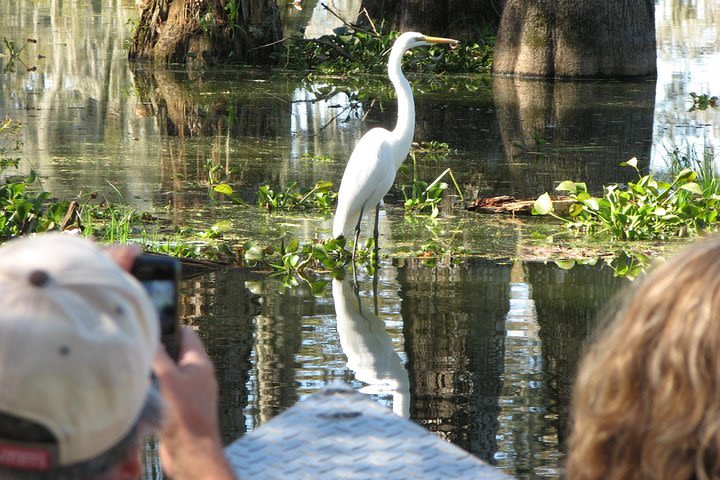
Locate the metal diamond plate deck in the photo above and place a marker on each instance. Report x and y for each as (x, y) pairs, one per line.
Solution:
(342, 434)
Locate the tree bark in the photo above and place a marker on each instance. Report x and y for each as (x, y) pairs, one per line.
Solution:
(463, 19)
(207, 31)
(576, 38)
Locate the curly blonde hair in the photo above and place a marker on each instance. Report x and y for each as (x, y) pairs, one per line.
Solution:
(646, 402)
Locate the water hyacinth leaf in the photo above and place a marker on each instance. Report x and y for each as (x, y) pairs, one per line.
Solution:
(639, 187)
(686, 175)
(292, 246)
(630, 163)
(582, 196)
(691, 210)
(644, 181)
(253, 252)
(592, 203)
(329, 263)
(341, 242)
(292, 260)
(543, 205)
(323, 186)
(318, 288)
(224, 188)
(565, 264)
(693, 188)
(567, 186)
(575, 209)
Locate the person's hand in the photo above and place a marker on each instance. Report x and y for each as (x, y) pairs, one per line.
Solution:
(123, 255)
(190, 446)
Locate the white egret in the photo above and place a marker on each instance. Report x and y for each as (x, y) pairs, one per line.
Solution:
(370, 172)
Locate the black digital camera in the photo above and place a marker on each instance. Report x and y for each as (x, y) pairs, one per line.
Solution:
(160, 275)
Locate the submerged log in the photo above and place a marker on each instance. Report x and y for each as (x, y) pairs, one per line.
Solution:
(510, 205)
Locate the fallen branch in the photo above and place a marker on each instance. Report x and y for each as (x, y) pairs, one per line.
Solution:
(509, 205)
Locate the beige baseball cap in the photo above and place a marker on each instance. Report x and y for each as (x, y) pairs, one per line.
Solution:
(77, 339)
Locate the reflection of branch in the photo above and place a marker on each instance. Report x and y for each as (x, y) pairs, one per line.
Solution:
(327, 124)
(318, 98)
(14, 54)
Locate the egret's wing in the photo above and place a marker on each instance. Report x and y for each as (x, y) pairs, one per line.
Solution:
(366, 173)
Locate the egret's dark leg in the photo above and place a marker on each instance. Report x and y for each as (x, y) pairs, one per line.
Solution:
(375, 290)
(376, 232)
(357, 236)
(356, 291)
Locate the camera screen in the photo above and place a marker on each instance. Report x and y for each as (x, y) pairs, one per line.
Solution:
(162, 293)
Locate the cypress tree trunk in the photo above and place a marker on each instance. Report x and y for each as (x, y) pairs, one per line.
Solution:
(208, 31)
(576, 38)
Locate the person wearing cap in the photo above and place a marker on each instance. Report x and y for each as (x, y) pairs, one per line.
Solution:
(79, 338)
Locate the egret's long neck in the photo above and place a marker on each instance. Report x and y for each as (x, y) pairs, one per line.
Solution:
(405, 127)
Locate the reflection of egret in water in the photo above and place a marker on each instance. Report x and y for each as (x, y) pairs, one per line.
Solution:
(369, 348)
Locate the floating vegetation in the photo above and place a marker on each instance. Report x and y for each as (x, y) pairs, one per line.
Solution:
(356, 51)
(421, 196)
(24, 206)
(308, 157)
(12, 53)
(432, 149)
(703, 101)
(319, 197)
(646, 209)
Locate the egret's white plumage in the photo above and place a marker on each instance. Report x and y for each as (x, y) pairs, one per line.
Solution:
(370, 172)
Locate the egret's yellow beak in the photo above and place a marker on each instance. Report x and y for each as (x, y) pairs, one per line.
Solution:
(441, 40)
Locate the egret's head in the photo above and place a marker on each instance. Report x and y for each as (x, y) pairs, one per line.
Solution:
(410, 40)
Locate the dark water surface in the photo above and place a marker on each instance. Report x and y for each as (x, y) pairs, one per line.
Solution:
(481, 352)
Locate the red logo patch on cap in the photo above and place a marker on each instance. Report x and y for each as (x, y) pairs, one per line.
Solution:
(24, 458)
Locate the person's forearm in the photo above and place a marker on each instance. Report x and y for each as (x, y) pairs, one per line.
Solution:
(196, 459)
(190, 445)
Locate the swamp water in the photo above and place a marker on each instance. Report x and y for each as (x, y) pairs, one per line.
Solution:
(481, 352)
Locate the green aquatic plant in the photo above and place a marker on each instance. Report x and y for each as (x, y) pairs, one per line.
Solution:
(293, 257)
(432, 149)
(320, 197)
(421, 196)
(629, 265)
(703, 162)
(308, 157)
(109, 223)
(24, 206)
(12, 53)
(24, 211)
(356, 51)
(703, 101)
(646, 209)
